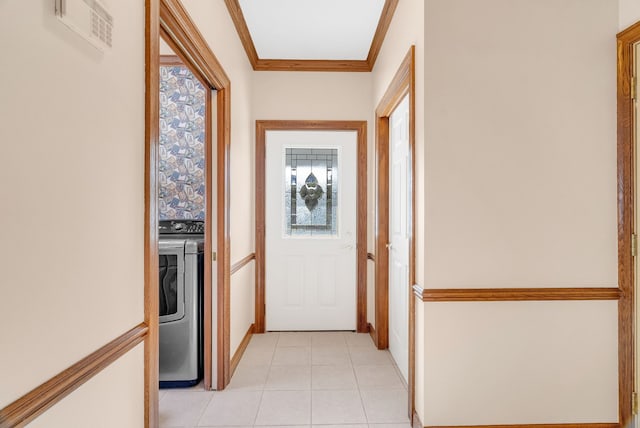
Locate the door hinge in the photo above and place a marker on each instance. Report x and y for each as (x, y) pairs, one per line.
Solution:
(634, 403)
(214, 256)
(634, 244)
(634, 87)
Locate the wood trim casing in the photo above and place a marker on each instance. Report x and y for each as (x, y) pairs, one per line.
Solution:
(262, 126)
(626, 219)
(258, 64)
(170, 60)
(312, 65)
(514, 294)
(207, 292)
(237, 356)
(189, 44)
(151, 159)
(37, 401)
(176, 21)
(402, 84)
(415, 421)
(242, 263)
(224, 237)
(384, 23)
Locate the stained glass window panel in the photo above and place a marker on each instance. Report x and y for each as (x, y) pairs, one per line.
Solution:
(311, 192)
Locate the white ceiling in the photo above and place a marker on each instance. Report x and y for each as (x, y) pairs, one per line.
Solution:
(312, 29)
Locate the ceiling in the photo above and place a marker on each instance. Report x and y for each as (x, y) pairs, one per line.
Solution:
(312, 35)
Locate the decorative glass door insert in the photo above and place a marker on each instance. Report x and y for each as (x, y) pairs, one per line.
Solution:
(311, 192)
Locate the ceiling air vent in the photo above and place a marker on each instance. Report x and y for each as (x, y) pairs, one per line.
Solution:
(88, 18)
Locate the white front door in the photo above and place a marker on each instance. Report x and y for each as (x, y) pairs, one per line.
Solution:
(399, 168)
(310, 230)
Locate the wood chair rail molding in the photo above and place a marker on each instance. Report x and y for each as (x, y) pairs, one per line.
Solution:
(242, 263)
(514, 294)
(37, 401)
(626, 213)
(262, 126)
(259, 64)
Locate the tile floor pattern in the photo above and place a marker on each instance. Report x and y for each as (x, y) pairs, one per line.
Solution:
(296, 380)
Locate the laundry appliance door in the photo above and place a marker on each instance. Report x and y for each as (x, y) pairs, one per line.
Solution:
(171, 281)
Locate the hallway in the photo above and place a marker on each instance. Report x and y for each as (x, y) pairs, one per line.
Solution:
(334, 379)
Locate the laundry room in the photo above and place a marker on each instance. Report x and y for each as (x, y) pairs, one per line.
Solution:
(181, 213)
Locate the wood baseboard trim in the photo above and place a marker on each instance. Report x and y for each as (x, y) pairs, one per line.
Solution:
(240, 351)
(583, 425)
(374, 334)
(415, 421)
(514, 294)
(242, 263)
(28, 407)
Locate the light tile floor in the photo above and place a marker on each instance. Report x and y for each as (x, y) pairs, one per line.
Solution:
(330, 379)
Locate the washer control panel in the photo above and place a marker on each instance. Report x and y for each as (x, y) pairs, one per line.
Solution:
(171, 227)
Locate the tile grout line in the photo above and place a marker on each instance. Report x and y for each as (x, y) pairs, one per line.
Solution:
(353, 368)
(205, 407)
(264, 385)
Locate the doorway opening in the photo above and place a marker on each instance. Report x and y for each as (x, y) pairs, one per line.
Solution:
(185, 203)
(296, 224)
(170, 21)
(401, 89)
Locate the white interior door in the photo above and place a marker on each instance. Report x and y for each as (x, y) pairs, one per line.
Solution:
(310, 230)
(399, 168)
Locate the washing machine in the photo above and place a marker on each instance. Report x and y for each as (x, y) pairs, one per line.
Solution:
(181, 280)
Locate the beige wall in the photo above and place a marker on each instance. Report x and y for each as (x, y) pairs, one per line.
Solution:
(520, 173)
(629, 13)
(242, 304)
(521, 154)
(520, 363)
(214, 22)
(72, 200)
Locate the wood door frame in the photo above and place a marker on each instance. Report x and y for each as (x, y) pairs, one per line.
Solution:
(169, 19)
(262, 126)
(402, 84)
(626, 219)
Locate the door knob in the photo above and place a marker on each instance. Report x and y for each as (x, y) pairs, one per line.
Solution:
(389, 246)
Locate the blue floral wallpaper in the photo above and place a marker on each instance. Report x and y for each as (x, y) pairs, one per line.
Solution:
(182, 138)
